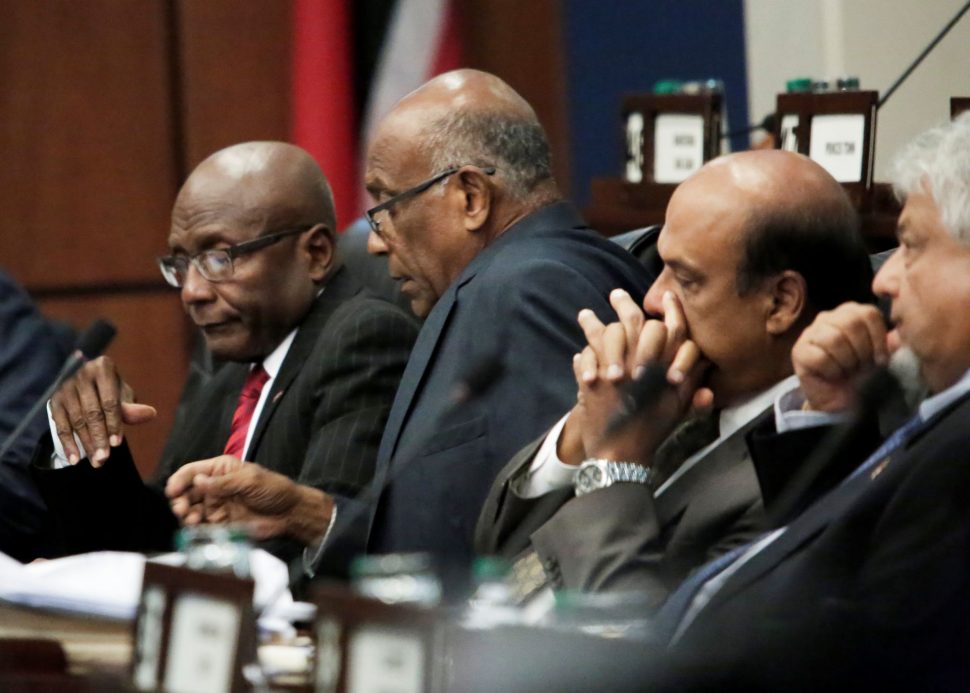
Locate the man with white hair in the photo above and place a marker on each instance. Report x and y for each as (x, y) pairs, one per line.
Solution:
(868, 587)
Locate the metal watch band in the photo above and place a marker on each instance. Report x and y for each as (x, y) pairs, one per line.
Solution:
(610, 472)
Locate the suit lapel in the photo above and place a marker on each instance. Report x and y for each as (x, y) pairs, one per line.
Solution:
(414, 372)
(682, 490)
(338, 289)
(556, 215)
(814, 520)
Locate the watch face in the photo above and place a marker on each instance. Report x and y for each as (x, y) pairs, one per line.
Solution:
(589, 477)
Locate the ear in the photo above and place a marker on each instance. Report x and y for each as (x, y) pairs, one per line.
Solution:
(476, 192)
(789, 295)
(319, 245)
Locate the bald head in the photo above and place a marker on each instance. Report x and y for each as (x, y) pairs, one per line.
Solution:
(775, 182)
(265, 184)
(246, 295)
(472, 117)
(795, 216)
(469, 91)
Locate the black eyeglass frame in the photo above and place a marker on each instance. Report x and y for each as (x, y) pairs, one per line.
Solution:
(232, 252)
(413, 192)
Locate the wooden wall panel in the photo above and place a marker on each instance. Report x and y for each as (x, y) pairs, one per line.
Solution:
(85, 133)
(105, 106)
(235, 73)
(149, 350)
(521, 42)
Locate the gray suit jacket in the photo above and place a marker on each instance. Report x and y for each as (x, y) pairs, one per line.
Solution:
(623, 537)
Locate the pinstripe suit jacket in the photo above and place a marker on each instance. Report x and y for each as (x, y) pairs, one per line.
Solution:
(321, 426)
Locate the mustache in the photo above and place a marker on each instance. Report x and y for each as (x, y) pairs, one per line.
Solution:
(907, 368)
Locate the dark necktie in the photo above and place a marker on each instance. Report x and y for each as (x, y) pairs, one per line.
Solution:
(244, 411)
(694, 434)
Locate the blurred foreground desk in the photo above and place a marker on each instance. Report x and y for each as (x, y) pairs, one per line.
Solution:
(41, 651)
(364, 645)
(90, 644)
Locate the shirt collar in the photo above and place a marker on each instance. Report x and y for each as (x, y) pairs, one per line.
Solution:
(733, 418)
(272, 363)
(932, 406)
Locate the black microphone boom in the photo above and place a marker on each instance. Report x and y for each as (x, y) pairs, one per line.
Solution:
(90, 344)
(96, 339)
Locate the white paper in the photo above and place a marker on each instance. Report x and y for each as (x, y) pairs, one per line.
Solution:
(678, 146)
(837, 145)
(108, 583)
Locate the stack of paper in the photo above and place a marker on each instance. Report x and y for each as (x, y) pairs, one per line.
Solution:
(107, 584)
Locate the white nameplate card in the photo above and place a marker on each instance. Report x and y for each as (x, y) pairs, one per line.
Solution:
(194, 631)
(202, 645)
(386, 660)
(837, 144)
(678, 145)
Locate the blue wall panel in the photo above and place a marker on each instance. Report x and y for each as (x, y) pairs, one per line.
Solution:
(615, 47)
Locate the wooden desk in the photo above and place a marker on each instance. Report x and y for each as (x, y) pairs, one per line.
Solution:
(91, 645)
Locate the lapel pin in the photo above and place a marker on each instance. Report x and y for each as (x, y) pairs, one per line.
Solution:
(877, 470)
(276, 397)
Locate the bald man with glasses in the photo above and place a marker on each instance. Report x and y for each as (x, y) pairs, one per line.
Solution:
(310, 367)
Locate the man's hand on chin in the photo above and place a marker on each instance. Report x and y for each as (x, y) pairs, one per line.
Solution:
(840, 347)
(225, 489)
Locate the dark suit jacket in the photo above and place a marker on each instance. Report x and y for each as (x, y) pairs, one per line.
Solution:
(320, 425)
(623, 537)
(517, 300)
(868, 588)
(31, 354)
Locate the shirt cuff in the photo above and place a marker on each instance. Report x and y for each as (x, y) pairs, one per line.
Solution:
(59, 457)
(547, 472)
(789, 415)
(311, 554)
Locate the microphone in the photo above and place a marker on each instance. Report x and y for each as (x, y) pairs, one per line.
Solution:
(90, 344)
(639, 395)
(479, 378)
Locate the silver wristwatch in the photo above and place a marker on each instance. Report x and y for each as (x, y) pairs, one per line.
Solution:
(597, 474)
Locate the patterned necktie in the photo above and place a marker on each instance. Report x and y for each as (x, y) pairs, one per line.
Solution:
(692, 435)
(890, 445)
(244, 411)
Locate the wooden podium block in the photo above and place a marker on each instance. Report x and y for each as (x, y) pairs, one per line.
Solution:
(194, 631)
(668, 137)
(365, 645)
(836, 129)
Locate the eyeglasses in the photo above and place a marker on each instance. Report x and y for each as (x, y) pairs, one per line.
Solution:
(216, 265)
(386, 205)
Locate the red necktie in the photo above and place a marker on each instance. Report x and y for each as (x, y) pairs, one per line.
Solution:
(244, 411)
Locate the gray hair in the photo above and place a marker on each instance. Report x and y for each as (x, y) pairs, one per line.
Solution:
(938, 162)
(514, 145)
